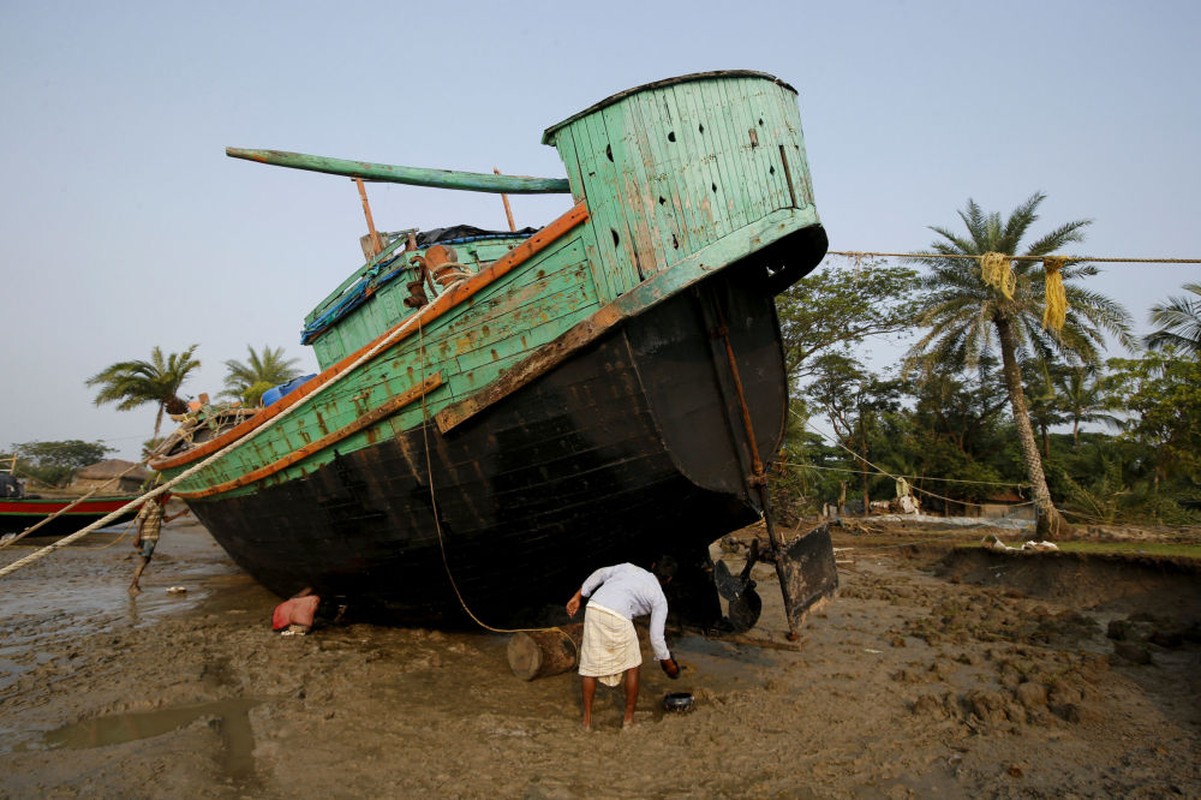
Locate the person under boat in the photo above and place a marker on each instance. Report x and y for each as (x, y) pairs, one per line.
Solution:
(150, 521)
(610, 650)
(295, 616)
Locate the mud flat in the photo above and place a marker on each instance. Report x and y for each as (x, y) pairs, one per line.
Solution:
(937, 672)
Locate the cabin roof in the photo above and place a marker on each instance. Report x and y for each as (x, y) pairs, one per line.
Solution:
(549, 135)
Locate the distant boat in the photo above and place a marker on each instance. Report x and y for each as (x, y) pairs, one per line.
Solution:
(20, 513)
(499, 413)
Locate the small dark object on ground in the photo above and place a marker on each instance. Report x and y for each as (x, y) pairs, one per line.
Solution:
(677, 701)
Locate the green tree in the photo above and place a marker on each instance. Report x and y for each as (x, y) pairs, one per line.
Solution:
(960, 406)
(1162, 395)
(130, 384)
(1179, 322)
(1060, 393)
(965, 316)
(1043, 403)
(952, 429)
(54, 463)
(800, 478)
(840, 304)
(262, 370)
(853, 400)
(1081, 396)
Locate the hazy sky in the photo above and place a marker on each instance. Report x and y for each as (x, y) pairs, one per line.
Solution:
(123, 225)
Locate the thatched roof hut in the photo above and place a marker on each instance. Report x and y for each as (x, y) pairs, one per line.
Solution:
(112, 476)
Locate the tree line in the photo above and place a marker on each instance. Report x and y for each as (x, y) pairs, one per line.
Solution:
(975, 407)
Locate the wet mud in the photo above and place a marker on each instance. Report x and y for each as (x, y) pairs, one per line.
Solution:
(935, 672)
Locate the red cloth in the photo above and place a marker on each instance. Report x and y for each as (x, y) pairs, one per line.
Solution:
(297, 611)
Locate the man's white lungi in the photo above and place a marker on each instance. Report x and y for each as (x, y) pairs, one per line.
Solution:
(610, 645)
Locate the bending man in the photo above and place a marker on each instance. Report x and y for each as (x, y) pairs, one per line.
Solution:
(610, 647)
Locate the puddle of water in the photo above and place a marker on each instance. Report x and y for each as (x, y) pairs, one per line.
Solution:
(230, 717)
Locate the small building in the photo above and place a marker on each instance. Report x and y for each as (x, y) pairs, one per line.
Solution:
(110, 477)
(1007, 505)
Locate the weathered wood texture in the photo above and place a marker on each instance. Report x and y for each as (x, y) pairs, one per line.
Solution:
(652, 158)
(670, 170)
(542, 653)
(417, 176)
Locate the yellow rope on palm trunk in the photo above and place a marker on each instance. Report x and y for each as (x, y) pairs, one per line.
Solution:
(1056, 310)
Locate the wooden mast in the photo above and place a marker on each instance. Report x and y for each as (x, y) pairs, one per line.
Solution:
(376, 244)
(504, 198)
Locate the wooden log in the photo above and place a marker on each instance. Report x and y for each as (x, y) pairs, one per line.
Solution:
(541, 653)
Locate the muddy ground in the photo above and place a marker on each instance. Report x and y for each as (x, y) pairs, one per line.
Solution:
(936, 672)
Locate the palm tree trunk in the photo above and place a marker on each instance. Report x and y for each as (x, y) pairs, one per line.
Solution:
(1048, 522)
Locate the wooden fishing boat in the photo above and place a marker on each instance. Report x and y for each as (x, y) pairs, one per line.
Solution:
(497, 414)
(64, 514)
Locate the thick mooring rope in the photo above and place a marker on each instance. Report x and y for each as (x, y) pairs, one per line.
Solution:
(861, 254)
(66, 508)
(996, 270)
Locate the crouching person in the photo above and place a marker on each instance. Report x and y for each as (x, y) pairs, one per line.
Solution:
(610, 652)
(294, 616)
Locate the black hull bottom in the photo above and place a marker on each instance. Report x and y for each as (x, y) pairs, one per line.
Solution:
(634, 447)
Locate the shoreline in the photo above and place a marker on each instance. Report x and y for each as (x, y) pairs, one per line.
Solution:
(925, 676)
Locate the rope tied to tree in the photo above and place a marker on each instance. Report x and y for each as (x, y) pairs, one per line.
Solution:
(1056, 310)
(996, 270)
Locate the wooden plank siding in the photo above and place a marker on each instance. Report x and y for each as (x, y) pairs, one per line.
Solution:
(673, 182)
(670, 172)
(471, 345)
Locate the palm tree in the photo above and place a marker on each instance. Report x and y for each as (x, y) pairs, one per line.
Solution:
(965, 315)
(1179, 322)
(261, 371)
(130, 384)
(1082, 398)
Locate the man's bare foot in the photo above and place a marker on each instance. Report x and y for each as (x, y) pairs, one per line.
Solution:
(134, 591)
(626, 724)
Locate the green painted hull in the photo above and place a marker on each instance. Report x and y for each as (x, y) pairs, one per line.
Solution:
(572, 400)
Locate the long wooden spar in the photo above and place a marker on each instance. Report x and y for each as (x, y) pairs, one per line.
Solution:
(414, 176)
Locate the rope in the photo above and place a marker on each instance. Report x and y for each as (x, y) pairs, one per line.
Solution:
(881, 471)
(1056, 310)
(997, 271)
(1012, 484)
(67, 507)
(37, 555)
(123, 534)
(429, 471)
(382, 344)
(859, 254)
